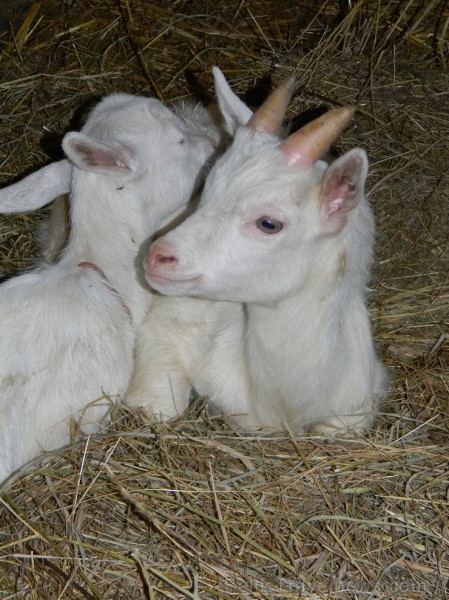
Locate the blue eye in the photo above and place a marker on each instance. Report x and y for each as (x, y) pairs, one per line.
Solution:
(268, 224)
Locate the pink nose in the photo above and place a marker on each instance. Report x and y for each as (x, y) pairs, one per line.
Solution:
(161, 256)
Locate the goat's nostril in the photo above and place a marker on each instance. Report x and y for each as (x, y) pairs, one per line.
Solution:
(162, 258)
(159, 257)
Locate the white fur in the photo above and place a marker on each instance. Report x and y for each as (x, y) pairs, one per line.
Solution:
(288, 339)
(68, 334)
(197, 121)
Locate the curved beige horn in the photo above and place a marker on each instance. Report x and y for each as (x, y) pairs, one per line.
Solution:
(304, 147)
(269, 116)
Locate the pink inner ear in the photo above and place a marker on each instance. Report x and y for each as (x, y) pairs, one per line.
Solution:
(105, 157)
(101, 156)
(337, 198)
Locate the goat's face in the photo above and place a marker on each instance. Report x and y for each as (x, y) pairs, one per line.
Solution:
(263, 226)
(271, 213)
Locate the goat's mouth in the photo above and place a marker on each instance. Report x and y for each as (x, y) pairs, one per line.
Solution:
(160, 282)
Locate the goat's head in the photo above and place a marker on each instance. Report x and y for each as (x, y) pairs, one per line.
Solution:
(132, 142)
(141, 144)
(271, 212)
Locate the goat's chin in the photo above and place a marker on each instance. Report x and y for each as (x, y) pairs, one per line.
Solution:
(173, 287)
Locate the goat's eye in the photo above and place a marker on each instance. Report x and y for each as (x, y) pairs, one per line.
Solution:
(182, 140)
(268, 225)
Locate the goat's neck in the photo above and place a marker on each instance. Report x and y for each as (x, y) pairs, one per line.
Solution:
(98, 236)
(318, 312)
(312, 317)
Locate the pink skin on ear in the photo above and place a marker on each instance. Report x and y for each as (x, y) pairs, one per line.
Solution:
(339, 194)
(334, 209)
(337, 200)
(104, 156)
(93, 155)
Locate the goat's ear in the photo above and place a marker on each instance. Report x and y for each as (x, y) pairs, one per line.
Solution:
(234, 112)
(37, 189)
(90, 154)
(342, 189)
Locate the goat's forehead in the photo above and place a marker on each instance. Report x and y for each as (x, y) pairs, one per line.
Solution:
(248, 170)
(259, 178)
(125, 108)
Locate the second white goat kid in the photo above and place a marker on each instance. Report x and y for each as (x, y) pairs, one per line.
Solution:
(68, 330)
(286, 240)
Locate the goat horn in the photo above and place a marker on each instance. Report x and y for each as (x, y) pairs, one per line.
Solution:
(306, 146)
(268, 117)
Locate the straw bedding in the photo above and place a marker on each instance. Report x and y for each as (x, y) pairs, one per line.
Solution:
(194, 509)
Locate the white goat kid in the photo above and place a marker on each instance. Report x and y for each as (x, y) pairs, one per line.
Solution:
(68, 330)
(287, 241)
